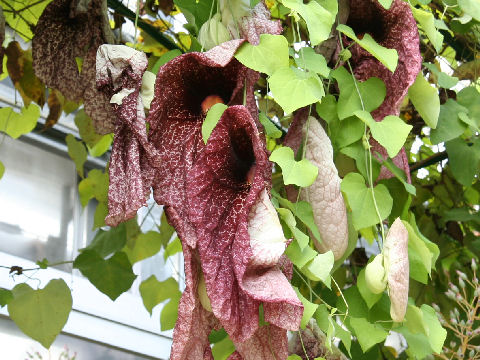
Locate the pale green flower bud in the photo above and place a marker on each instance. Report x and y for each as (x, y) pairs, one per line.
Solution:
(375, 275)
(213, 33)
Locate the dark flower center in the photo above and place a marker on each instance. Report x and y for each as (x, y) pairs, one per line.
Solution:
(366, 17)
(243, 156)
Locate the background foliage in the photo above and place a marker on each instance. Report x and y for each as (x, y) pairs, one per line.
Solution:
(438, 126)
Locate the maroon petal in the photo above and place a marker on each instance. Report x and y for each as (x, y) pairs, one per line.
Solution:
(119, 71)
(226, 184)
(258, 22)
(65, 31)
(176, 117)
(395, 29)
(194, 323)
(268, 343)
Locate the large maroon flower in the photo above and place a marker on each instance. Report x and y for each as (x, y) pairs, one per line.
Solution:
(69, 30)
(119, 77)
(395, 29)
(216, 196)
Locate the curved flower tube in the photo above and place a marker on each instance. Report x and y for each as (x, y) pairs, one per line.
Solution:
(395, 29)
(119, 77)
(216, 196)
(68, 30)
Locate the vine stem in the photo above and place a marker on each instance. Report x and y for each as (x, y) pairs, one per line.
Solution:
(136, 24)
(368, 152)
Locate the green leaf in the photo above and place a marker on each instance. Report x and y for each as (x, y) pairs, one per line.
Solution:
(143, 246)
(347, 131)
(372, 91)
(425, 99)
(222, 349)
(387, 57)
(165, 229)
(153, 292)
(213, 116)
(303, 211)
(309, 60)
(196, 11)
(464, 159)
(302, 173)
(327, 108)
(5, 297)
(287, 216)
(309, 309)
(293, 88)
(107, 242)
(2, 169)
(319, 20)
(23, 16)
(443, 80)
(386, 3)
(294, 357)
(427, 22)
(414, 320)
(15, 124)
(436, 334)
(319, 268)
(86, 129)
(419, 256)
(449, 125)
(101, 213)
(369, 297)
(271, 130)
(367, 334)
(418, 343)
(165, 58)
(95, 185)
(173, 248)
(360, 199)
(112, 277)
(41, 314)
(344, 335)
(399, 174)
(77, 152)
(357, 151)
(268, 56)
(471, 7)
(299, 257)
(169, 314)
(391, 132)
(469, 98)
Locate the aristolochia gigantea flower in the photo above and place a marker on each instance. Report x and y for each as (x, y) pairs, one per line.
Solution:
(216, 196)
(64, 50)
(394, 28)
(120, 70)
(324, 194)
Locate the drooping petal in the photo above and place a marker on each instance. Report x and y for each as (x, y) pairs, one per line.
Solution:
(268, 343)
(194, 323)
(68, 32)
(395, 252)
(258, 22)
(119, 77)
(324, 194)
(226, 187)
(395, 29)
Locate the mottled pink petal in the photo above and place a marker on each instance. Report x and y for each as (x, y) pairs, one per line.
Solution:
(258, 22)
(66, 31)
(194, 323)
(119, 71)
(268, 343)
(224, 186)
(395, 29)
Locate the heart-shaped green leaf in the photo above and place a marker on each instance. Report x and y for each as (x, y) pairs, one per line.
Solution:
(41, 314)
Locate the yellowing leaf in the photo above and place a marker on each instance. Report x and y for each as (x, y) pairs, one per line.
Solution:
(15, 124)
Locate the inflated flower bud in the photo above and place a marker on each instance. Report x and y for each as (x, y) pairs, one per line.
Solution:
(324, 194)
(232, 11)
(213, 33)
(375, 275)
(395, 252)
